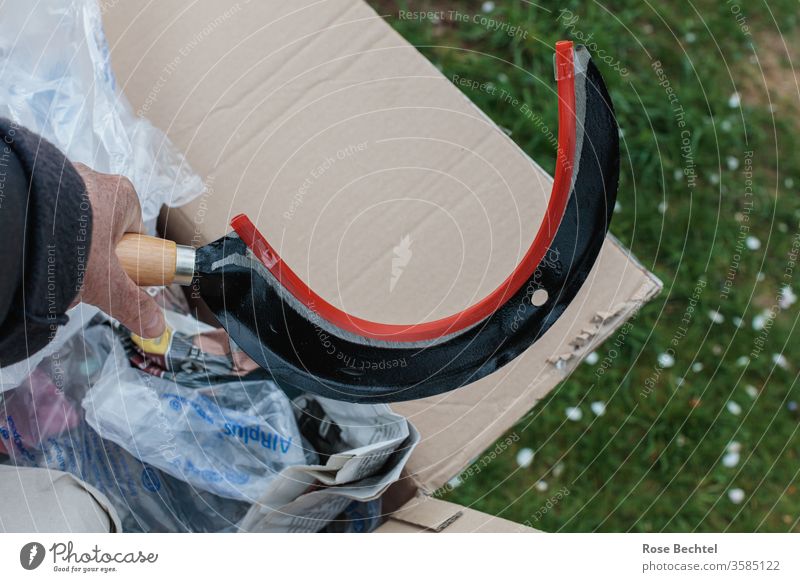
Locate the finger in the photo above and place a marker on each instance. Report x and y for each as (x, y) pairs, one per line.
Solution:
(136, 223)
(129, 200)
(140, 228)
(133, 307)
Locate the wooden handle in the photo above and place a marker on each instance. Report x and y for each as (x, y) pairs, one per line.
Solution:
(148, 260)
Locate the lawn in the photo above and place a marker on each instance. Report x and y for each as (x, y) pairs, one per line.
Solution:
(704, 437)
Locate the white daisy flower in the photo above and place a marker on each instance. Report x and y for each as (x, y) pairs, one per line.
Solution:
(752, 243)
(736, 495)
(598, 407)
(730, 460)
(759, 321)
(780, 361)
(666, 360)
(788, 297)
(734, 408)
(525, 457)
(574, 413)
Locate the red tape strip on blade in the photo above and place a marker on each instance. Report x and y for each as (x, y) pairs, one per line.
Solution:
(432, 330)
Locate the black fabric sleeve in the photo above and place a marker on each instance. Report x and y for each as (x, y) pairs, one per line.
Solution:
(45, 232)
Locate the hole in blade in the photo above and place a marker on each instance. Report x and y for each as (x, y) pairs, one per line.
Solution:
(539, 297)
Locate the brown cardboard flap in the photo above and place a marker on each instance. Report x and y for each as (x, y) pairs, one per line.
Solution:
(427, 514)
(340, 141)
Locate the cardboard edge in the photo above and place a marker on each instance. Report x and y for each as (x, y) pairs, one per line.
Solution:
(425, 514)
(656, 281)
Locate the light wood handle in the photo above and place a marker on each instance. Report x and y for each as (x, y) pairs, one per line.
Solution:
(148, 260)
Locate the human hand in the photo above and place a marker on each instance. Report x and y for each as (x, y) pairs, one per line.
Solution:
(115, 212)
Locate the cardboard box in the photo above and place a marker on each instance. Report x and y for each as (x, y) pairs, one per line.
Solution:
(378, 181)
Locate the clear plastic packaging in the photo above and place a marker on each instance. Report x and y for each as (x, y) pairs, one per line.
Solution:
(56, 79)
(15, 374)
(229, 439)
(146, 499)
(213, 452)
(42, 424)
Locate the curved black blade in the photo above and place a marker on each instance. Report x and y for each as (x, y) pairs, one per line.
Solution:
(305, 353)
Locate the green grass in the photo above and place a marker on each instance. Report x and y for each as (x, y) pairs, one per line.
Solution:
(654, 463)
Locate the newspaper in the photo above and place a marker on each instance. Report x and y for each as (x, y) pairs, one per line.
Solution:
(306, 498)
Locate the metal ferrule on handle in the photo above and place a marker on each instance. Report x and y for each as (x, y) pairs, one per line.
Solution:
(184, 265)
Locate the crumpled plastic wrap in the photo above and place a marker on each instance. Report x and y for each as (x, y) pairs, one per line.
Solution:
(15, 374)
(206, 438)
(42, 425)
(56, 79)
(197, 438)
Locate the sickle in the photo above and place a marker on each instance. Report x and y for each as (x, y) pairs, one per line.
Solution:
(309, 345)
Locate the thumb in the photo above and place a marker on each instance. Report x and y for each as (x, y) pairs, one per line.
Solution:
(133, 307)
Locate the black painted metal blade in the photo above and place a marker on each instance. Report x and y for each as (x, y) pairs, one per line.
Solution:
(303, 352)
